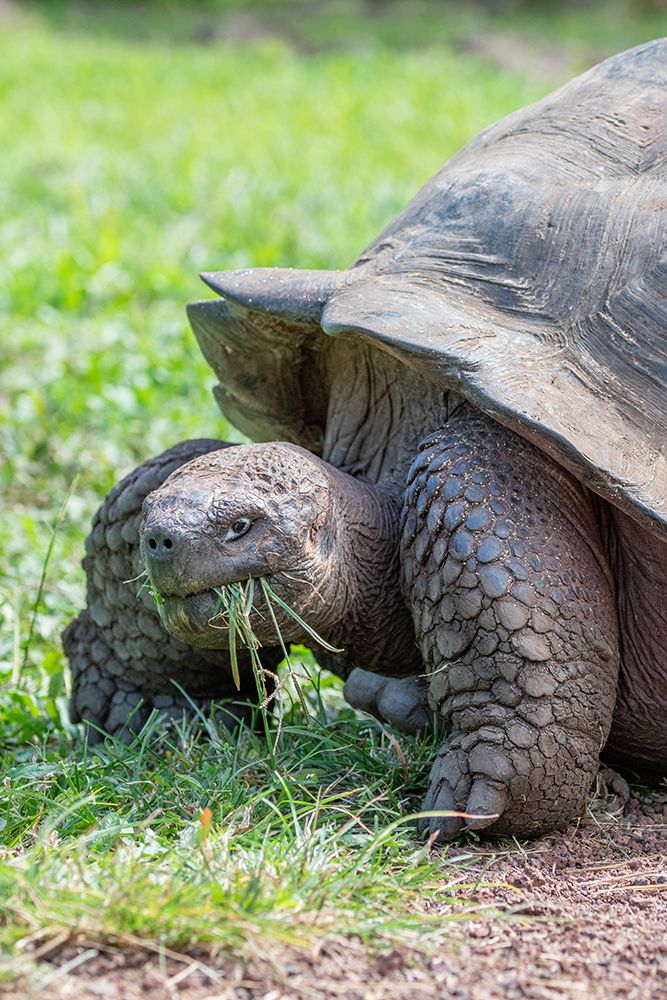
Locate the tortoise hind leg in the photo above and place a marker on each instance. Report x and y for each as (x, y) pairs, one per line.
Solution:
(123, 662)
(400, 701)
(513, 604)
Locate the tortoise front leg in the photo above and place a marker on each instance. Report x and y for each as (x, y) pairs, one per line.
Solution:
(123, 661)
(513, 604)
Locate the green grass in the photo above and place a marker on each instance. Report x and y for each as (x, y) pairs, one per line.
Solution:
(132, 159)
(185, 840)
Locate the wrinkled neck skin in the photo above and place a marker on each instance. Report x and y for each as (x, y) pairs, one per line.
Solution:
(358, 605)
(379, 411)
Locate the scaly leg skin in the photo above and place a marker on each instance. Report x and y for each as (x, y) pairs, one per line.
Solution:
(400, 701)
(123, 661)
(512, 600)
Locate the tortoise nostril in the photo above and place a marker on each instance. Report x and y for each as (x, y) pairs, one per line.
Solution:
(160, 545)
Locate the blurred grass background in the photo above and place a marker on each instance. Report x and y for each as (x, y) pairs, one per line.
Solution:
(144, 142)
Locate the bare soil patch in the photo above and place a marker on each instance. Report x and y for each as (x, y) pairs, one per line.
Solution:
(582, 913)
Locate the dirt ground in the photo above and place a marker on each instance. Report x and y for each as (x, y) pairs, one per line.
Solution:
(581, 913)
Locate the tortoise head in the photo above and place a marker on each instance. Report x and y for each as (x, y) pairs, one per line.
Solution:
(247, 512)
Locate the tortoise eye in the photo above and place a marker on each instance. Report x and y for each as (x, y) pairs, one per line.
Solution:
(238, 528)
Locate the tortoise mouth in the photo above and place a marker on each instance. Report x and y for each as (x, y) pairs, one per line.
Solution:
(202, 618)
(199, 618)
(195, 619)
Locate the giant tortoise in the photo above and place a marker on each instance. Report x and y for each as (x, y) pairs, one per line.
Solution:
(460, 475)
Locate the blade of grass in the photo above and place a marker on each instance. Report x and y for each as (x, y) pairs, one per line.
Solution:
(270, 594)
(267, 596)
(233, 658)
(45, 565)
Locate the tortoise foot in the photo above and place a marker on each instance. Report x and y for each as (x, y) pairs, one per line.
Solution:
(474, 781)
(400, 701)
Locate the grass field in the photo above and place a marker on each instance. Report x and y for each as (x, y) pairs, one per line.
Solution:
(134, 157)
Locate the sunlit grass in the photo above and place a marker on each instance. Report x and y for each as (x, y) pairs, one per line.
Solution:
(191, 838)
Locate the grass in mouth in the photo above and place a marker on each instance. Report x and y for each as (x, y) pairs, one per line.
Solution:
(236, 602)
(147, 585)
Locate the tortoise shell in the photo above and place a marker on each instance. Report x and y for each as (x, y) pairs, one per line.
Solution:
(529, 274)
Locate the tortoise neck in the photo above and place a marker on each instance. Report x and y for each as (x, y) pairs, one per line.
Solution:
(379, 410)
(369, 620)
